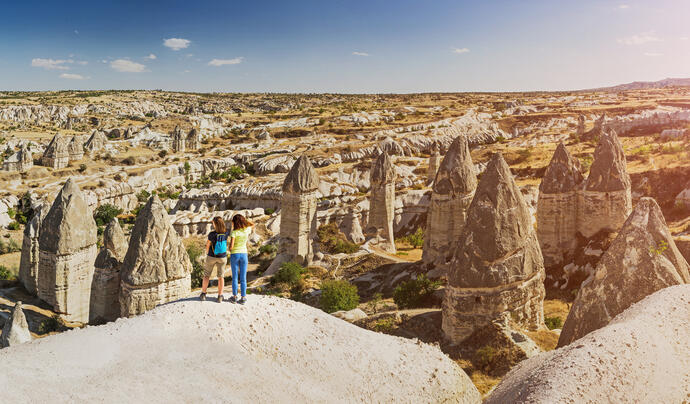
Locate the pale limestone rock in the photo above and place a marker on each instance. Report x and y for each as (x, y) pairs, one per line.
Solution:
(105, 288)
(28, 266)
(156, 268)
(16, 329)
(193, 141)
(96, 142)
(580, 126)
(497, 268)
(179, 142)
(451, 195)
(606, 200)
(298, 212)
(75, 148)
(20, 161)
(67, 250)
(434, 163)
(351, 226)
(641, 260)
(382, 204)
(56, 155)
(557, 207)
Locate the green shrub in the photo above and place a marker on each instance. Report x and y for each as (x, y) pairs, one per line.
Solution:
(104, 214)
(333, 240)
(9, 247)
(413, 293)
(384, 325)
(338, 295)
(13, 226)
(5, 273)
(269, 211)
(194, 252)
(50, 324)
(485, 356)
(415, 239)
(143, 196)
(82, 167)
(553, 322)
(290, 273)
(268, 249)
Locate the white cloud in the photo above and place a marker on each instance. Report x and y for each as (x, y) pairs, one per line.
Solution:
(151, 56)
(72, 76)
(50, 64)
(76, 31)
(176, 43)
(124, 65)
(360, 53)
(640, 39)
(460, 50)
(624, 6)
(653, 54)
(684, 38)
(82, 62)
(223, 62)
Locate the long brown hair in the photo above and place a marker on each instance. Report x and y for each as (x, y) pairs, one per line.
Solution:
(240, 222)
(219, 225)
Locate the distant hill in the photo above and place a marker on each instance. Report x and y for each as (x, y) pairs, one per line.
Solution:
(643, 85)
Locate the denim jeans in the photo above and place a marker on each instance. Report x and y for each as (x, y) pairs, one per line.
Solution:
(238, 263)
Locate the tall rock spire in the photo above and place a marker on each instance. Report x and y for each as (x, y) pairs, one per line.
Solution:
(67, 249)
(641, 260)
(452, 192)
(105, 288)
(28, 266)
(606, 200)
(297, 215)
(557, 207)
(156, 268)
(382, 202)
(497, 268)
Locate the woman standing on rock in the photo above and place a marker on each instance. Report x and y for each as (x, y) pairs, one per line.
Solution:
(241, 229)
(216, 257)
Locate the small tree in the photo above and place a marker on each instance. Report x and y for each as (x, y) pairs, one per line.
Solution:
(105, 213)
(338, 295)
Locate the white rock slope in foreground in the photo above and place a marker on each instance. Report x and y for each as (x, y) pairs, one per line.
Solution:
(643, 356)
(271, 350)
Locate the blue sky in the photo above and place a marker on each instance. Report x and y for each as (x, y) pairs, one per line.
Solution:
(341, 46)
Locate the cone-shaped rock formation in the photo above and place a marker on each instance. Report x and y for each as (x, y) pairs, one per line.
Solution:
(156, 268)
(67, 250)
(16, 329)
(641, 260)
(497, 268)
(105, 288)
(382, 202)
(557, 207)
(454, 186)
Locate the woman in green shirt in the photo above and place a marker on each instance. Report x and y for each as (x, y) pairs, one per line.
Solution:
(241, 229)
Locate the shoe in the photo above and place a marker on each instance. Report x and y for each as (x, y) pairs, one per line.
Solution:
(202, 297)
(220, 298)
(233, 299)
(243, 300)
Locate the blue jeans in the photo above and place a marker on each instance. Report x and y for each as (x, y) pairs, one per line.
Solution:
(238, 263)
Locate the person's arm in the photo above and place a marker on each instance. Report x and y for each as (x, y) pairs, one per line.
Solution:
(208, 246)
(232, 243)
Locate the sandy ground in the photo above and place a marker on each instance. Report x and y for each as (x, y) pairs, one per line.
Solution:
(271, 350)
(642, 356)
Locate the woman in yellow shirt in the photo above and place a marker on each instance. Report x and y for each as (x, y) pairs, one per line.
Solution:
(241, 229)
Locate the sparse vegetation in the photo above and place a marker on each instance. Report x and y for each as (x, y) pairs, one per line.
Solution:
(290, 274)
(194, 252)
(553, 323)
(105, 213)
(333, 240)
(6, 274)
(50, 324)
(415, 292)
(416, 239)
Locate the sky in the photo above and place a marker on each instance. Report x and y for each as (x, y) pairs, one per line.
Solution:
(348, 46)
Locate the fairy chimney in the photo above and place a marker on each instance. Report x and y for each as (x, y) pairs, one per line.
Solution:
(451, 195)
(56, 155)
(28, 265)
(67, 250)
(434, 163)
(382, 203)
(156, 268)
(640, 261)
(16, 329)
(178, 140)
(606, 201)
(557, 207)
(105, 288)
(298, 211)
(193, 141)
(497, 268)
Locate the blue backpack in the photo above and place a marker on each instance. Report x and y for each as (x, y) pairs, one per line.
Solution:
(221, 246)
